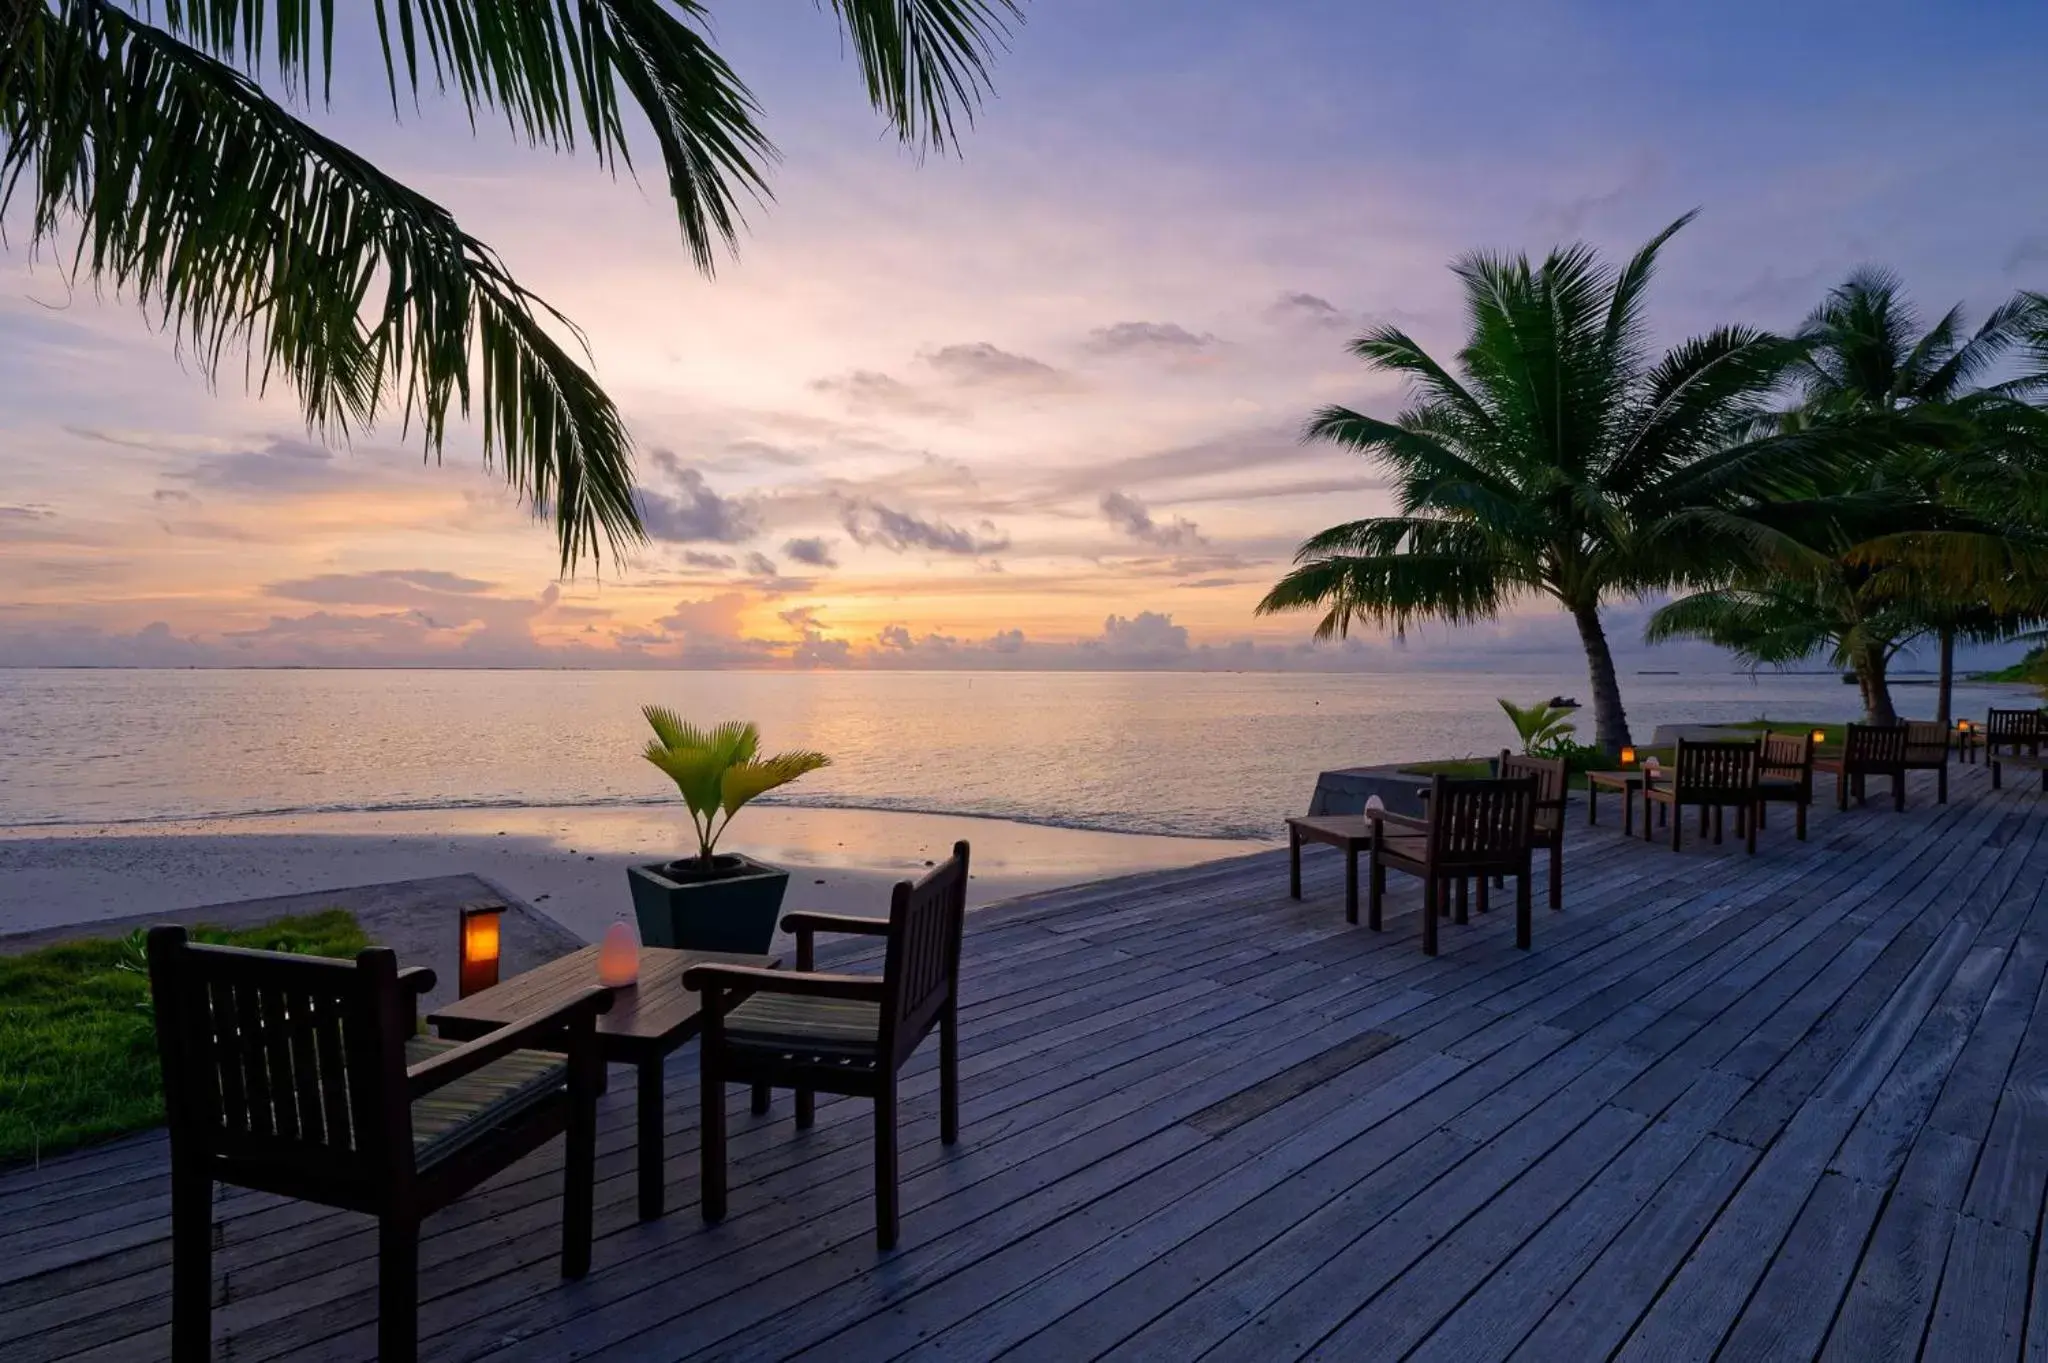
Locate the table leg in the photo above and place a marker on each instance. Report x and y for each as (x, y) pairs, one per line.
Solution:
(652, 1162)
(1628, 811)
(1592, 804)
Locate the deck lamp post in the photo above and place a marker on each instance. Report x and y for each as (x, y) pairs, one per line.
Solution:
(477, 947)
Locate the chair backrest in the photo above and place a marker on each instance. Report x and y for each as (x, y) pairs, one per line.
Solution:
(1481, 823)
(921, 971)
(2012, 726)
(1551, 778)
(1926, 743)
(275, 1059)
(1707, 770)
(1874, 747)
(1787, 757)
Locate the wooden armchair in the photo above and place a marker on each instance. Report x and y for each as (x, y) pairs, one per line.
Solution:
(846, 1034)
(1868, 750)
(1712, 777)
(2016, 731)
(1474, 830)
(301, 1076)
(1551, 777)
(1927, 750)
(1785, 776)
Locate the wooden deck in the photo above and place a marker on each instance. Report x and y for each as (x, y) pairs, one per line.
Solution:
(1770, 1108)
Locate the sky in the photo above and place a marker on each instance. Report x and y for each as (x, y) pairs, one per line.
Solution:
(1035, 404)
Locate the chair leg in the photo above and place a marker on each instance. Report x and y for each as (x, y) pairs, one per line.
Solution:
(398, 1290)
(1799, 820)
(1376, 890)
(1484, 888)
(1677, 821)
(806, 1109)
(1350, 884)
(1293, 863)
(949, 1073)
(1557, 875)
(1464, 893)
(1706, 820)
(1899, 791)
(1749, 828)
(1997, 769)
(1524, 923)
(885, 1164)
(759, 1105)
(191, 1267)
(579, 1159)
(1719, 823)
(1429, 898)
(1941, 784)
(1842, 793)
(711, 1139)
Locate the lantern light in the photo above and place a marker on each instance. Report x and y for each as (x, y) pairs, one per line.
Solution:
(1963, 726)
(618, 957)
(477, 947)
(1628, 757)
(1820, 736)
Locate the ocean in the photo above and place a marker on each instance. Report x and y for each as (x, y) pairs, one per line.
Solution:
(1193, 754)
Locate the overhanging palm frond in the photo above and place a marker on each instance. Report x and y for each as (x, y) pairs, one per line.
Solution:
(926, 61)
(1759, 626)
(241, 225)
(1394, 571)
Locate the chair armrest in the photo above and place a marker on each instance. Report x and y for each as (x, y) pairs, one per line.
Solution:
(807, 920)
(540, 1030)
(418, 978)
(752, 977)
(1406, 821)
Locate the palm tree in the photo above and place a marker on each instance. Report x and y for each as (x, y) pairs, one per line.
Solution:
(1559, 460)
(1962, 551)
(188, 187)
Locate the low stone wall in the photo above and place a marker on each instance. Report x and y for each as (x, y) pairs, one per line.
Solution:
(1346, 790)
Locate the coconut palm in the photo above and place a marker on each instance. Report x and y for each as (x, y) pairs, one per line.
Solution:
(718, 770)
(1556, 458)
(148, 159)
(1961, 549)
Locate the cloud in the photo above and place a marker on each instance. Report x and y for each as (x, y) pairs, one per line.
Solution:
(1129, 515)
(279, 466)
(1306, 309)
(386, 587)
(979, 363)
(694, 513)
(870, 390)
(894, 637)
(813, 550)
(2026, 253)
(869, 522)
(712, 618)
(760, 565)
(1164, 339)
(697, 558)
(173, 495)
(1148, 635)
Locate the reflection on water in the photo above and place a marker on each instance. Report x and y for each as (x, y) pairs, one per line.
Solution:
(1210, 754)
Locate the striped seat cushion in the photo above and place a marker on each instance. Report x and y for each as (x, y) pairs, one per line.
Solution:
(848, 1028)
(462, 1110)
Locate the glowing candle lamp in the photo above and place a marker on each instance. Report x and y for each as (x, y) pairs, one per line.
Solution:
(477, 948)
(1628, 757)
(1820, 736)
(1963, 726)
(618, 957)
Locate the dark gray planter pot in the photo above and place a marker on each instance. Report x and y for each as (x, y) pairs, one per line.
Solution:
(735, 912)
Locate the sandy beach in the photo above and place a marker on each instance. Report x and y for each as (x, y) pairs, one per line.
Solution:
(570, 863)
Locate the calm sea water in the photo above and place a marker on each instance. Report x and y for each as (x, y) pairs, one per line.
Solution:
(1208, 754)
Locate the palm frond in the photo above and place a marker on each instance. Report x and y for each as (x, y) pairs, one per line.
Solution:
(926, 61)
(240, 225)
(742, 783)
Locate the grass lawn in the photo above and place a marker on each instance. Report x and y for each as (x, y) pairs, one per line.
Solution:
(77, 1039)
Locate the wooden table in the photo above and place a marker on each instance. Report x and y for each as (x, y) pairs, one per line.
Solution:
(646, 1022)
(1349, 833)
(1628, 783)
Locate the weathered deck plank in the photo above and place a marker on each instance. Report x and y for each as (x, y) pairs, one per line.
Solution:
(1754, 1107)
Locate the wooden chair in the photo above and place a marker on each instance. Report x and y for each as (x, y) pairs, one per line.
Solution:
(1551, 778)
(2015, 731)
(1348, 833)
(1785, 776)
(846, 1034)
(1474, 830)
(1868, 750)
(301, 1076)
(1712, 777)
(1927, 750)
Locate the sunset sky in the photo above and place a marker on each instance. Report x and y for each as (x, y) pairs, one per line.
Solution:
(1034, 405)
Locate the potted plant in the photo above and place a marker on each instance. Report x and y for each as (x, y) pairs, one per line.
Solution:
(714, 901)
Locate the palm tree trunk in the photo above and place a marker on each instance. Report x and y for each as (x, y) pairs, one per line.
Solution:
(1610, 725)
(1877, 691)
(1945, 692)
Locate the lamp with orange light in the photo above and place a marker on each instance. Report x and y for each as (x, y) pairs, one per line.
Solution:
(618, 957)
(1820, 736)
(1628, 757)
(477, 947)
